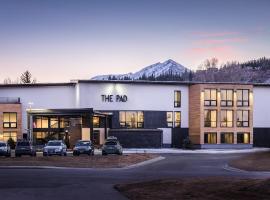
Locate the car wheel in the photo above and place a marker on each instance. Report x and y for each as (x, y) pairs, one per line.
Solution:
(44, 154)
(65, 154)
(8, 155)
(104, 153)
(17, 155)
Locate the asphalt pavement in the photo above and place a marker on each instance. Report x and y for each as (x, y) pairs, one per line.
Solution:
(67, 184)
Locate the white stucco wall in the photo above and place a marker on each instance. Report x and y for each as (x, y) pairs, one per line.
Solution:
(167, 135)
(44, 97)
(152, 97)
(261, 114)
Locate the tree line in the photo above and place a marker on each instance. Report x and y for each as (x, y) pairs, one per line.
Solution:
(25, 78)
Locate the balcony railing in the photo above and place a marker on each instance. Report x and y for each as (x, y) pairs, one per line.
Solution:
(9, 100)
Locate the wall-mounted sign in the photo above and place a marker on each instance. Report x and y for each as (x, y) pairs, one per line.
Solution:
(114, 98)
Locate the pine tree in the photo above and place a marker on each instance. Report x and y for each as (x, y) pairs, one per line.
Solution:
(26, 78)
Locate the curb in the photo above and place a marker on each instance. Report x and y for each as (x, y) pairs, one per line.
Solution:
(233, 169)
(143, 163)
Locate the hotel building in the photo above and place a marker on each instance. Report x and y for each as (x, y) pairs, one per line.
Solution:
(141, 114)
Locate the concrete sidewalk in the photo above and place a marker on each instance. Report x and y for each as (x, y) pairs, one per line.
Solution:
(202, 151)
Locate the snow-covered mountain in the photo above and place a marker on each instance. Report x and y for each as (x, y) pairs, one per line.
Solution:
(156, 70)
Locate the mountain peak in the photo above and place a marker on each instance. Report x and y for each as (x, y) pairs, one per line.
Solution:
(155, 70)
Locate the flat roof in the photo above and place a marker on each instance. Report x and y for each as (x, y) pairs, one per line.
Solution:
(74, 82)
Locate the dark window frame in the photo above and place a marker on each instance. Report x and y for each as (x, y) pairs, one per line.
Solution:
(242, 102)
(169, 123)
(10, 123)
(228, 103)
(241, 123)
(206, 137)
(222, 138)
(123, 124)
(210, 122)
(221, 121)
(177, 104)
(210, 102)
(177, 124)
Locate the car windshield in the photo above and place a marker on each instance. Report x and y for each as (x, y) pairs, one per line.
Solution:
(110, 143)
(54, 144)
(23, 144)
(83, 143)
(2, 144)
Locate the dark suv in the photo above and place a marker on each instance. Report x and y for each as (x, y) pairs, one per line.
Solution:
(83, 147)
(24, 148)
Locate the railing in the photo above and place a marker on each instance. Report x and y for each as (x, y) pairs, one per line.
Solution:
(10, 100)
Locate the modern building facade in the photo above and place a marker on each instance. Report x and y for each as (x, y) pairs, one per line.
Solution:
(139, 113)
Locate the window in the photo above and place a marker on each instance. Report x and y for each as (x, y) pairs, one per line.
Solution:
(10, 120)
(8, 134)
(64, 122)
(242, 118)
(226, 138)
(210, 118)
(226, 118)
(169, 119)
(40, 135)
(210, 97)
(96, 123)
(210, 138)
(226, 97)
(54, 123)
(242, 97)
(131, 119)
(243, 138)
(177, 99)
(177, 119)
(41, 122)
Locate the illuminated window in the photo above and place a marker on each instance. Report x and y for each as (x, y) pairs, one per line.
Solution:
(210, 118)
(226, 138)
(210, 138)
(177, 99)
(10, 120)
(169, 119)
(177, 119)
(8, 134)
(96, 122)
(243, 138)
(131, 119)
(210, 97)
(64, 122)
(242, 118)
(242, 97)
(54, 122)
(226, 97)
(41, 122)
(226, 118)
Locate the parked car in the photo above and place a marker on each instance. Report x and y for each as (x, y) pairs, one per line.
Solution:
(55, 147)
(24, 148)
(112, 146)
(5, 149)
(83, 147)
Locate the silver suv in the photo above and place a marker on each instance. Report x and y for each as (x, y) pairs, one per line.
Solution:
(5, 149)
(112, 146)
(55, 147)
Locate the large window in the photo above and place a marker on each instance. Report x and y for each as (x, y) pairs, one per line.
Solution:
(210, 138)
(226, 97)
(226, 118)
(210, 97)
(177, 99)
(131, 119)
(96, 122)
(242, 118)
(8, 134)
(169, 119)
(41, 122)
(177, 119)
(243, 138)
(54, 122)
(210, 118)
(10, 120)
(243, 97)
(226, 138)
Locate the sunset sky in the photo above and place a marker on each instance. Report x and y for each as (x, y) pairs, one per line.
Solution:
(62, 40)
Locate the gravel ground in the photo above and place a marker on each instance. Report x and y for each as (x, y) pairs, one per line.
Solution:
(214, 188)
(83, 161)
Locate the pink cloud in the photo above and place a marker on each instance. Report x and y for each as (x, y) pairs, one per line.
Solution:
(220, 41)
(214, 34)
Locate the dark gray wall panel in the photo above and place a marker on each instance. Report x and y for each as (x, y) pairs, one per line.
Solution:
(138, 138)
(178, 136)
(261, 137)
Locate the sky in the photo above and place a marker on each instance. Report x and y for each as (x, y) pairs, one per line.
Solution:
(60, 40)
